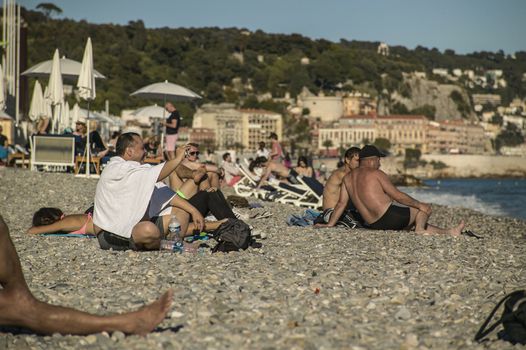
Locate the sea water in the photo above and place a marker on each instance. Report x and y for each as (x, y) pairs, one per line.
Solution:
(504, 197)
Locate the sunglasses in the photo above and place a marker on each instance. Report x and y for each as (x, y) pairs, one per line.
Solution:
(196, 153)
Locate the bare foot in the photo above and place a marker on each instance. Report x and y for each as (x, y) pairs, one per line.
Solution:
(197, 174)
(144, 320)
(456, 231)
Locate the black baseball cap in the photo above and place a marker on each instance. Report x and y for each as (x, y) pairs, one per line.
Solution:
(370, 151)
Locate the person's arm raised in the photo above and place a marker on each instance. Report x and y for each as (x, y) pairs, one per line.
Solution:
(170, 165)
(399, 196)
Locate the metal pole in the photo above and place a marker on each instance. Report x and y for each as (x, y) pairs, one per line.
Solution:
(88, 146)
(11, 48)
(4, 26)
(17, 94)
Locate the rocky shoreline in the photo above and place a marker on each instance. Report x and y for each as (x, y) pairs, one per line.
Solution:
(305, 289)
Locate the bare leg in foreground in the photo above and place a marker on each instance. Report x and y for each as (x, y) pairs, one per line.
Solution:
(419, 218)
(18, 307)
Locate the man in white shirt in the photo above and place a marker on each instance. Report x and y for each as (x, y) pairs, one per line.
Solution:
(123, 194)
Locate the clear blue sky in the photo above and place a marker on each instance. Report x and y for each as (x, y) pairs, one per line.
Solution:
(462, 25)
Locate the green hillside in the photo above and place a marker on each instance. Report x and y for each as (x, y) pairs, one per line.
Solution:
(208, 61)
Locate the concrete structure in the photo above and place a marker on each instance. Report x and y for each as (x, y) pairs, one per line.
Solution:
(326, 108)
(383, 49)
(455, 137)
(403, 131)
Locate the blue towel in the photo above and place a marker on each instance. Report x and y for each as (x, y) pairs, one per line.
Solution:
(70, 235)
(306, 219)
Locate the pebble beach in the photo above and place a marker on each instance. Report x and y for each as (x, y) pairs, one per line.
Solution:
(306, 288)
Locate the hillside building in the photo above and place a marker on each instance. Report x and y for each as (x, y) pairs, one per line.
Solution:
(455, 137)
(403, 131)
(236, 127)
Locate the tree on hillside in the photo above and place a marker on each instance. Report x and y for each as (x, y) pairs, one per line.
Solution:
(511, 136)
(49, 9)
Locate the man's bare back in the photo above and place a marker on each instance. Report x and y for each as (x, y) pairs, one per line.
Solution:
(366, 190)
(331, 191)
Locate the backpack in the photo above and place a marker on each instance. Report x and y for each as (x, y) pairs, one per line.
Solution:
(513, 319)
(232, 235)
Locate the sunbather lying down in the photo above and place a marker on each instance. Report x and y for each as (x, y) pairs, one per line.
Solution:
(19, 308)
(270, 167)
(53, 220)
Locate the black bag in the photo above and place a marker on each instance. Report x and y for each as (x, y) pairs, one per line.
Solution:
(513, 319)
(232, 235)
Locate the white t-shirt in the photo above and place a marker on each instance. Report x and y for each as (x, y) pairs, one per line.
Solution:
(231, 170)
(263, 153)
(123, 193)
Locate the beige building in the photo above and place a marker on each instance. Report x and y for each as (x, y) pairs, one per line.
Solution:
(348, 131)
(234, 127)
(456, 137)
(403, 131)
(482, 99)
(358, 103)
(346, 136)
(258, 124)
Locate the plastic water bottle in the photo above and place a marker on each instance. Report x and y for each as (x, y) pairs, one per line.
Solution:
(174, 233)
(168, 245)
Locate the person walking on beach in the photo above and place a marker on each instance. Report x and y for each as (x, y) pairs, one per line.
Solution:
(19, 308)
(373, 194)
(124, 193)
(172, 124)
(276, 152)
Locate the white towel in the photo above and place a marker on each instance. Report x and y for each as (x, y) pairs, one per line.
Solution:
(123, 194)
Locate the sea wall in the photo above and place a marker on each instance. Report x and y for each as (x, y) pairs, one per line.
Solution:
(463, 165)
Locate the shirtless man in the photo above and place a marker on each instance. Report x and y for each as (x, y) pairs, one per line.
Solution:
(331, 192)
(373, 195)
(19, 308)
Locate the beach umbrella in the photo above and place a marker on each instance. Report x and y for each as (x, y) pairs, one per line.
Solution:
(87, 91)
(37, 103)
(55, 92)
(66, 115)
(70, 70)
(46, 106)
(2, 92)
(75, 114)
(166, 90)
(153, 111)
(55, 89)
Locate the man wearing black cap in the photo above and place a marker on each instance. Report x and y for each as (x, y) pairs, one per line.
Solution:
(373, 195)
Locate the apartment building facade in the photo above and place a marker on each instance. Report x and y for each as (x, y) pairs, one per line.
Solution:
(238, 127)
(403, 131)
(455, 137)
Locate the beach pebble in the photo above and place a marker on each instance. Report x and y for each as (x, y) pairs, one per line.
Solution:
(304, 289)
